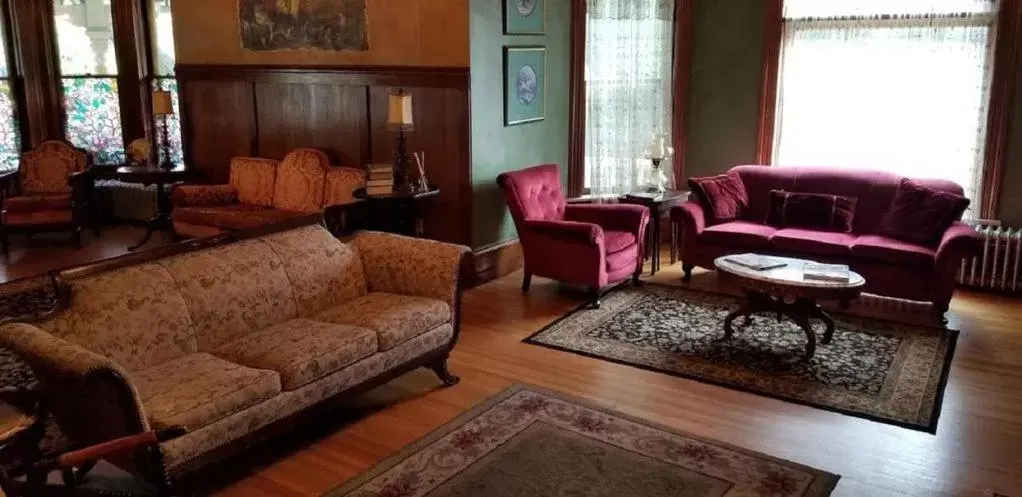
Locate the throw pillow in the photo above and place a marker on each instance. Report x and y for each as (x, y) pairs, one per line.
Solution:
(725, 195)
(920, 214)
(815, 211)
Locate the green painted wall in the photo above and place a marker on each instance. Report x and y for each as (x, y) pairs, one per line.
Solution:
(724, 100)
(496, 148)
(727, 56)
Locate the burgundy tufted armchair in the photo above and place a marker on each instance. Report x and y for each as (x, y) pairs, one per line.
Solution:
(588, 245)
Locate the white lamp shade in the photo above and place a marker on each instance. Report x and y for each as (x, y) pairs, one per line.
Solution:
(400, 114)
(162, 105)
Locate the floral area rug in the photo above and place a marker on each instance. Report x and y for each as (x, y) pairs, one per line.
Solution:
(529, 442)
(879, 370)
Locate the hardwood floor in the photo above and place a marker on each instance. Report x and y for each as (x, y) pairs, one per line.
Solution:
(977, 449)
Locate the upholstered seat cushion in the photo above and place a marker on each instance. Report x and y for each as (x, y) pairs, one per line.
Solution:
(742, 234)
(627, 257)
(880, 248)
(199, 389)
(34, 203)
(812, 241)
(616, 241)
(395, 318)
(301, 350)
(38, 218)
(233, 217)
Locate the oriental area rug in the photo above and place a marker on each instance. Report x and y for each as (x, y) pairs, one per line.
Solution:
(531, 442)
(884, 371)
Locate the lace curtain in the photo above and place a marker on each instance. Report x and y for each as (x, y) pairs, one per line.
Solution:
(900, 85)
(629, 57)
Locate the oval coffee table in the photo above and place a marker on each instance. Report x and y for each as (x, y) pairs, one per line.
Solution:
(784, 291)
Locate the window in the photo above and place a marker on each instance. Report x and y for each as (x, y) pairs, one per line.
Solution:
(628, 77)
(900, 85)
(164, 79)
(88, 68)
(10, 137)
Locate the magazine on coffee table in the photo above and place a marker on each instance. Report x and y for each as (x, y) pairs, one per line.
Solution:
(826, 272)
(756, 262)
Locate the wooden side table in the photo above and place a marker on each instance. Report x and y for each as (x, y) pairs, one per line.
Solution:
(147, 175)
(399, 212)
(658, 205)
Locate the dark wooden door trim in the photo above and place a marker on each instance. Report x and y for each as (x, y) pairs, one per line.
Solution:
(34, 36)
(682, 84)
(1002, 86)
(773, 32)
(577, 104)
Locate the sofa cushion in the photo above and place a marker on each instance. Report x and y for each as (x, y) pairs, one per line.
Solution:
(725, 195)
(341, 183)
(233, 290)
(135, 316)
(301, 181)
(37, 218)
(616, 241)
(189, 230)
(34, 203)
(301, 350)
(254, 179)
(395, 318)
(621, 259)
(743, 234)
(199, 389)
(920, 214)
(812, 241)
(815, 211)
(323, 271)
(880, 248)
(234, 216)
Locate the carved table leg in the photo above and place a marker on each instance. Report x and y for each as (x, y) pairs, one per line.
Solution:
(802, 320)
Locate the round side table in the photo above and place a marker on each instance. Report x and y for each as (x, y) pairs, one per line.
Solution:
(147, 175)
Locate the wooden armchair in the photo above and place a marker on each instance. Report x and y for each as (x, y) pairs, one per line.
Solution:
(49, 192)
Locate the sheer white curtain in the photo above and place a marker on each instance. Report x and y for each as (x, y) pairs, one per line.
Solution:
(900, 85)
(629, 57)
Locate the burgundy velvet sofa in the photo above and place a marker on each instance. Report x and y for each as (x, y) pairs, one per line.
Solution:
(891, 267)
(586, 245)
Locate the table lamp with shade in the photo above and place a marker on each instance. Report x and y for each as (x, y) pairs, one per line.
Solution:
(400, 118)
(659, 151)
(164, 108)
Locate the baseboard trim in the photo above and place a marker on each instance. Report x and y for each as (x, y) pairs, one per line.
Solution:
(496, 260)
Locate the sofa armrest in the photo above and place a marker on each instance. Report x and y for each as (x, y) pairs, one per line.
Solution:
(573, 231)
(618, 217)
(412, 266)
(692, 217)
(207, 195)
(959, 241)
(89, 395)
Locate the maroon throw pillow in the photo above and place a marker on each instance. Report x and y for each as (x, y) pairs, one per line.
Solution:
(815, 211)
(920, 214)
(725, 195)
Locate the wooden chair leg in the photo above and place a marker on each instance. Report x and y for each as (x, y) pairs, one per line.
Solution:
(687, 269)
(526, 281)
(5, 242)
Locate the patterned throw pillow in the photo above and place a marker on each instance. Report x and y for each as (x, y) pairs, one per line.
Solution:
(725, 195)
(920, 214)
(815, 211)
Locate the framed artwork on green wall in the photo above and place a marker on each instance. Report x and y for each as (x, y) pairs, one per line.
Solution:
(524, 85)
(525, 17)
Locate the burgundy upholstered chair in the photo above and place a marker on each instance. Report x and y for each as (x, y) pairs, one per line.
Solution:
(587, 245)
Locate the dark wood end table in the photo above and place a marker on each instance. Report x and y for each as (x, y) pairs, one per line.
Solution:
(148, 175)
(658, 205)
(785, 291)
(400, 212)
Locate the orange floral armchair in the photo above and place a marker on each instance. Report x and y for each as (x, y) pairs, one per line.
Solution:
(48, 193)
(264, 191)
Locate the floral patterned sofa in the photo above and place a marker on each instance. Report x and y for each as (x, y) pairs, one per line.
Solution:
(237, 336)
(264, 191)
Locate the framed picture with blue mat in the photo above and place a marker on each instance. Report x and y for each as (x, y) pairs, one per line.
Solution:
(525, 17)
(524, 85)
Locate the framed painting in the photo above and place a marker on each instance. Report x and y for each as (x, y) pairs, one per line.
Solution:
(524, 85)
(525, 17)
(330, 25)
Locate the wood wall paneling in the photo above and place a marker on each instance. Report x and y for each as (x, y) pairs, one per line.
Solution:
(268, 111)
(329, 117)
(218, 123)
(34, 38)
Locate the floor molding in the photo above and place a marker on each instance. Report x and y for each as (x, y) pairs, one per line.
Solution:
(496, 260)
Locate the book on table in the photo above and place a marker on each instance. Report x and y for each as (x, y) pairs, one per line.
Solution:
(826, 272)
(756, 262)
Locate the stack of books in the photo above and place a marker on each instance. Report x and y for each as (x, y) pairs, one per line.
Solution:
(756, 262)
(381, 180)
(826, 272)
